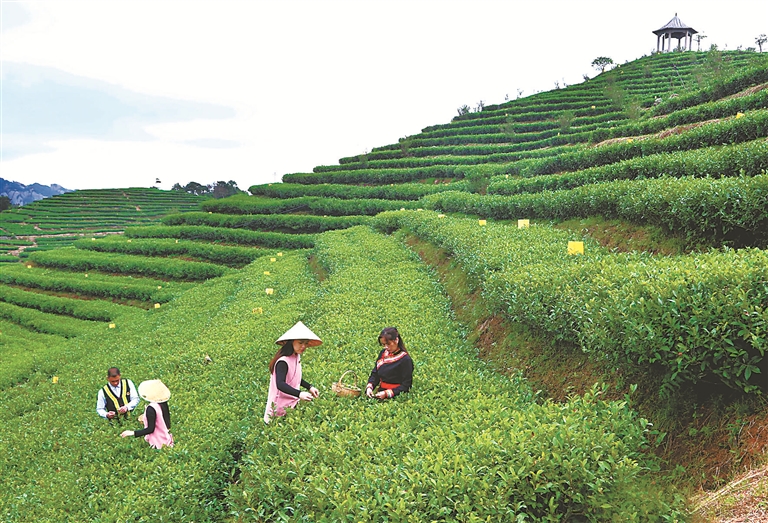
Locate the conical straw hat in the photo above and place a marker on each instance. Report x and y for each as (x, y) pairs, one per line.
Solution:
(300, 332)
(154, 391)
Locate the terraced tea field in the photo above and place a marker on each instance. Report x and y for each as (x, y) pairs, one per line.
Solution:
(668, 143)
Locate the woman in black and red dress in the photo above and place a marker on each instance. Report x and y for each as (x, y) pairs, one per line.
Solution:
(393, 372)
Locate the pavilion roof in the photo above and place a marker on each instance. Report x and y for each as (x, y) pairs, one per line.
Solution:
(676, 27)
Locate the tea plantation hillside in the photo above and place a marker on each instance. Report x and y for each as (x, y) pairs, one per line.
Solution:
(195, 292)
(55, 221)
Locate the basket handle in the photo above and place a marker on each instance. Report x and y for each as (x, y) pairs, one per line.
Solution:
(347, 372)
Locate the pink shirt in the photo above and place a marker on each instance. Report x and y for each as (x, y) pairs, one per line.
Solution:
(160, 436)
(277, 401)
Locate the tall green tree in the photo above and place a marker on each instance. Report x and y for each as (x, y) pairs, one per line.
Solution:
(601, 62)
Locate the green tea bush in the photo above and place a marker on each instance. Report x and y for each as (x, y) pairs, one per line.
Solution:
(756, 73)
(95, 310)
(95, 285)
(209, 252)
(23, 352)
(289, 223)
(404, 191)
(224, 235)
(711, 211)
(751, 126)
(696, 318)
(44, 322)
(372, 176)
(64, 463)
(77, 260)
(748, 158)
(428, 455)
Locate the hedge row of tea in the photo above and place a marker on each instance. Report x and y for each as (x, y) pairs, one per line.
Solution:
(430, 455)
(22, 353)
(82, 309)
(79, 260)
(697, 318)
(705, 210)
(221, 234)
(748, 159)
(231, 256)
(62, 462)
(291, 223)
(94, 285)
(403, 191)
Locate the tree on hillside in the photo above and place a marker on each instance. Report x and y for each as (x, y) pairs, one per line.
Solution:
(601, 62)
(197, 188)
(5, 203)
(699, 37)
(760, 40)
(223, 189)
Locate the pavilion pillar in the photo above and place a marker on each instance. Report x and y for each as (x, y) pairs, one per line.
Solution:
(658, 39)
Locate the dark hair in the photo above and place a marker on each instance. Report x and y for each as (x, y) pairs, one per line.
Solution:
(113, 371)
(391, 333)
(285, 350)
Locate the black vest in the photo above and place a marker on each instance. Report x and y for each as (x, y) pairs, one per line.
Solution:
(123, 399)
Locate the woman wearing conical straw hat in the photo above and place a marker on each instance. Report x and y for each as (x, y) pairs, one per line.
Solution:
(156, 417)
(285, 371)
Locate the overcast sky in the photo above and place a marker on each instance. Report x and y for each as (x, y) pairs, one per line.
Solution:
(99, 94)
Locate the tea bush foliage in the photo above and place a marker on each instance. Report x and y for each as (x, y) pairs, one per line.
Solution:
(95, 285)
(224, 235)
(62, 462)
(232, 256)
(77, 260)
(695, 318)
(748, 159)
(466, 444)
(701, 209)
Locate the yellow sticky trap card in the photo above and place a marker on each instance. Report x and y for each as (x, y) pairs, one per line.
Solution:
(266, 273)
(523, 224)
(481, 222)
(270, 291)
(111, 325)
(157, 305)
(55, 379)
(575, 247)
(258, 310)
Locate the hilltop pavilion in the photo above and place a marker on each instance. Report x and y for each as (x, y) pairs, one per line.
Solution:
(675, 28)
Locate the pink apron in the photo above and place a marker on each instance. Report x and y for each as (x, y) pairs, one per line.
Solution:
(278, 401)
(160, 436)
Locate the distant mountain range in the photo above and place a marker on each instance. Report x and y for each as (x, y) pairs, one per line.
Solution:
(21, 194)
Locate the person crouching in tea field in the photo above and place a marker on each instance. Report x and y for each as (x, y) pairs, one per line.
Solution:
(393, 371)
(117, 398)
(285, 372)
(156, 417)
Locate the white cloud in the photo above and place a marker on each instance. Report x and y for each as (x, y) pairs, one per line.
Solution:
(313, 81)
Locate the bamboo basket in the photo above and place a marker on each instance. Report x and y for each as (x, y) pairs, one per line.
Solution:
(346, 391)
